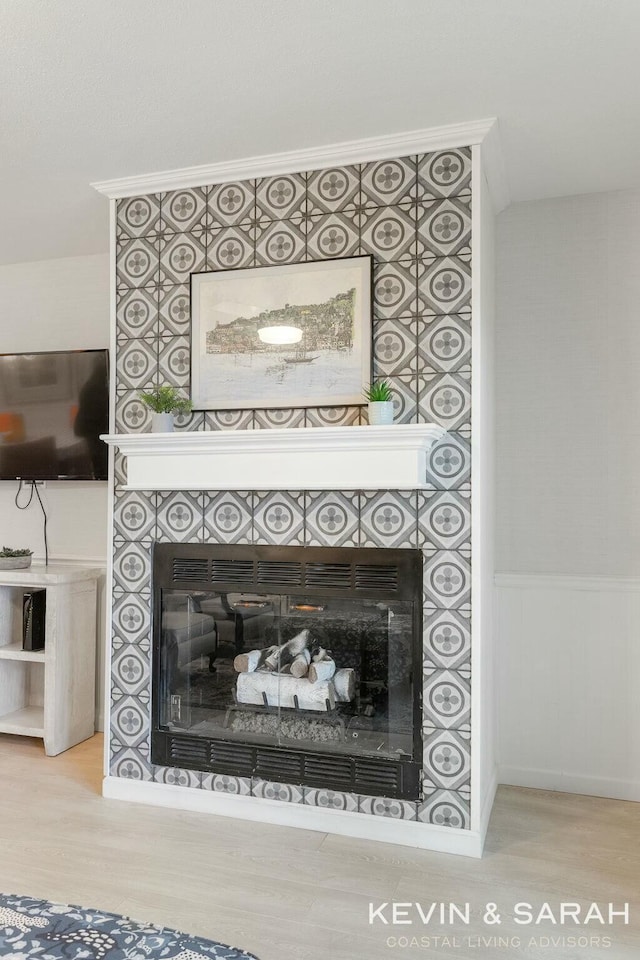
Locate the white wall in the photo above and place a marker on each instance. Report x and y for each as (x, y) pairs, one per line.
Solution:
(568, 507)
(568, 386)
(57, 305)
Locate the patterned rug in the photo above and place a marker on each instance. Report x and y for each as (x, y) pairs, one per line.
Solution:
(52, 931)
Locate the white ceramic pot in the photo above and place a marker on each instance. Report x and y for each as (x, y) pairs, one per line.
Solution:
(161, 423)
(15, 563)
(381, 411)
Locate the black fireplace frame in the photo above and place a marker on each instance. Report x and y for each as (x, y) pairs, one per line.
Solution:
(356, 572)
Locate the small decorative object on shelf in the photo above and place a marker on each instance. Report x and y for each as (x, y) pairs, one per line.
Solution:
(15, 559)
(164, 402)
(380, 400)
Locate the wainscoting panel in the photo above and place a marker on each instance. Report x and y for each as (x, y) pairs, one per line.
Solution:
(568, 658)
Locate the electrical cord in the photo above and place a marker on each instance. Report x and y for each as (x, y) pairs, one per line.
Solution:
(25, 506)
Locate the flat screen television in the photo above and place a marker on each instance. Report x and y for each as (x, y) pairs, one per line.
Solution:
(53, 408)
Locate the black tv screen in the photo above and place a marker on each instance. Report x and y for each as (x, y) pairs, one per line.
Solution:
(53, 408)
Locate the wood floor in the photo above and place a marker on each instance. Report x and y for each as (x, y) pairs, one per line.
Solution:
(288, 894)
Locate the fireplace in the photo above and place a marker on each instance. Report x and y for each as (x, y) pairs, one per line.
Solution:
(300, 665)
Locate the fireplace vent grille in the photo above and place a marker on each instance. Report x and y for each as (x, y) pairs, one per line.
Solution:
(280, 765)
(376, 774)
(328, 575)
(190, 568)
(279, 571)
(234, 758)
(353, 775)
(316, 569)
(186, 751)
(376, 577)
(232, 571)
(334, 770)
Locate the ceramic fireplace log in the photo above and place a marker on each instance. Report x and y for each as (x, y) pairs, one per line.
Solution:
(248, 662)
(287, 652)
(300, 666)
(285, 691)
(274, 658)
(344, 682)
(322, 670)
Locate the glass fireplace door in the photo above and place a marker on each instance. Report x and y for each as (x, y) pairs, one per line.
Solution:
(299, 672)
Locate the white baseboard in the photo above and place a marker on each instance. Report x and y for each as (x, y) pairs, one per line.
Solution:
(406, 833)
(570, 783)
(487, 805)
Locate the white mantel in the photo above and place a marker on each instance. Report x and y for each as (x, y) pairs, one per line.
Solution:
(302, 458)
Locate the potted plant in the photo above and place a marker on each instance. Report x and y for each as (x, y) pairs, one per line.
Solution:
(380, 399)
(15, 559)
(164, 402)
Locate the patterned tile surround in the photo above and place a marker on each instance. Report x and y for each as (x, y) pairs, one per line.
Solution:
(414, 215)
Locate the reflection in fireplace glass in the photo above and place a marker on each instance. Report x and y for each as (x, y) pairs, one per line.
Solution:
(324, 674)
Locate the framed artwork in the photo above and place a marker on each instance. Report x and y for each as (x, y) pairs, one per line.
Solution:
(296, 335)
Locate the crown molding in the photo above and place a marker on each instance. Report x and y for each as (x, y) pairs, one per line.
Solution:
(312, 158)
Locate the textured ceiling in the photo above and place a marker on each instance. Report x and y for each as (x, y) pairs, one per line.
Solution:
(96, 89)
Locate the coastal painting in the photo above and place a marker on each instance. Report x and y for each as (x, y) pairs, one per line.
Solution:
(285, 336)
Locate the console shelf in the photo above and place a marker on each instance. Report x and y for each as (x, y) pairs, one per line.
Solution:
(49, 693)
(14, 651)
(27, 722)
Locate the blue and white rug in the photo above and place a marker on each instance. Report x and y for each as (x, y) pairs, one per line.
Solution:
(52, 931)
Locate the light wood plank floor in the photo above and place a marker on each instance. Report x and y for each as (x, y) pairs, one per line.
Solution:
(288, 894)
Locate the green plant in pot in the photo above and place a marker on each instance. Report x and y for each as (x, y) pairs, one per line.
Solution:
(165, 403)
(380, 399)
(15, 559)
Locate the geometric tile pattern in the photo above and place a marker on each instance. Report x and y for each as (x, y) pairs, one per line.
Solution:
(278, 517)
(448, 759)
(235, 786)
(331, 519)
(276, 791)
(228, 517)
(413, 216)
(444, 520)
(444, 229)
(330, 799)
(447, 700)
(389, 519)
(136, 363)
(134, 516)
(445, 808)
(447, 640)
(179, 517)
(448, 580)
(386, 807)
(131, 567)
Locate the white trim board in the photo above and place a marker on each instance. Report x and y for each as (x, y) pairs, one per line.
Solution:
(487, 805)
(75, 559)
(385, 147)
(570, 783)
(549, 581)
(408, 833)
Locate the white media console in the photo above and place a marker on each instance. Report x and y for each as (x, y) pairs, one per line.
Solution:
(50, 693)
